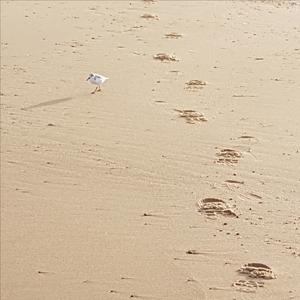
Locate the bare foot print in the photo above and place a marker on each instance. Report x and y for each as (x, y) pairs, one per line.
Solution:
(173, 35)
(228, 156)
(257, 270)
(191, 116)
(247, 286)
(165, 57)
(213, 206)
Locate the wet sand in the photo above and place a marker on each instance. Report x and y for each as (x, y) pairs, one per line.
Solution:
(172, 180)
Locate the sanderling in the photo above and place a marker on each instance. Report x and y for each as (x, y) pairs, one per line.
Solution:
(97, 80)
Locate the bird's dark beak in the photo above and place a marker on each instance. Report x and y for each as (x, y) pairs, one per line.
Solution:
(88, 78)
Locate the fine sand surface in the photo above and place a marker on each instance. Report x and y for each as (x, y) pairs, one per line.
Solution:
(152, 188)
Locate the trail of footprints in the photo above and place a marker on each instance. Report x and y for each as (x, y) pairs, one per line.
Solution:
(213, 207)
(254, 273)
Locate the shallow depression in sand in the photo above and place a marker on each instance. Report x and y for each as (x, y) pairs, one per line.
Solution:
(257, 270)
(214, 206)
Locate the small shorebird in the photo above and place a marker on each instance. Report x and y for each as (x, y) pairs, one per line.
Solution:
(97, 80)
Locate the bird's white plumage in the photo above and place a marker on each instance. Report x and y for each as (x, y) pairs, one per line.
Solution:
(96, 79)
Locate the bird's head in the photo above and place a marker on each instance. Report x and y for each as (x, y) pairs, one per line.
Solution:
(90, 76)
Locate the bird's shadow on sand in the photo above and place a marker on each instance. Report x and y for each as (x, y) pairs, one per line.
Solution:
(50, 102)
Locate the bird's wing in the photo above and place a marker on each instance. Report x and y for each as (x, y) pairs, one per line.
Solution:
(97, 76)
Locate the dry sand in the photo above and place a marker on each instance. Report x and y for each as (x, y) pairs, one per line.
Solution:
(102, 194)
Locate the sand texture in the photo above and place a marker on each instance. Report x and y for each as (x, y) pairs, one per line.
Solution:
(180, 179)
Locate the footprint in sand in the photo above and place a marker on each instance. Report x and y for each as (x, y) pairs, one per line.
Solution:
(165, 57)
(228, 156)
(213, 207)
(257, 270)
(195, 84)
(191, 116)
(247, 286)
(173, 35)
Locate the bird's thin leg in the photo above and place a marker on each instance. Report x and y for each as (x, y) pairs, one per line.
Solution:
(94, 91)
(99, 88)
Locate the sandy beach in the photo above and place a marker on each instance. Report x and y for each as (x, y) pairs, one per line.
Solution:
(180, 179)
